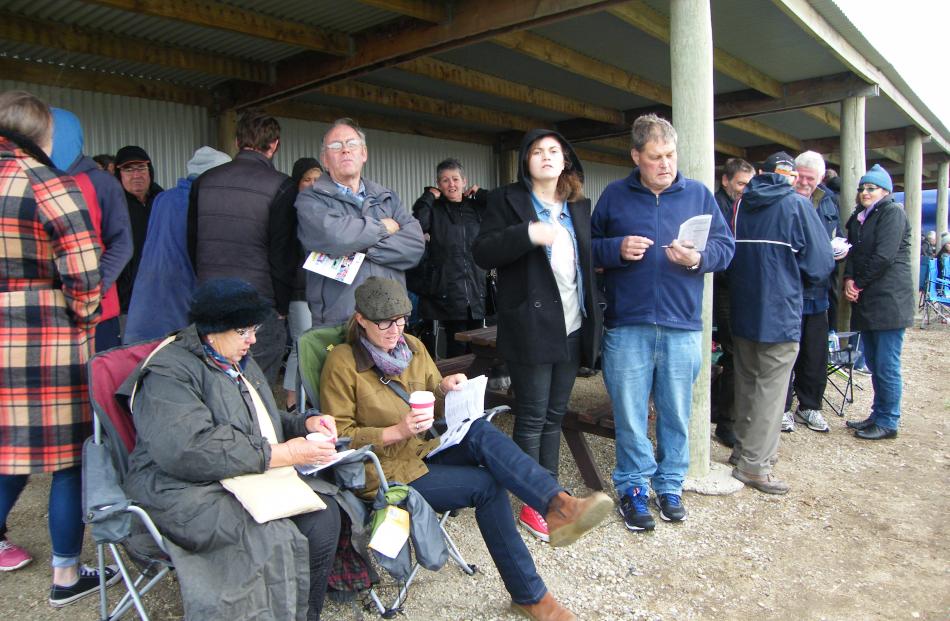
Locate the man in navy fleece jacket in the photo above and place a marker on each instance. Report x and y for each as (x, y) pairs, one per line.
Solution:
(653, 320)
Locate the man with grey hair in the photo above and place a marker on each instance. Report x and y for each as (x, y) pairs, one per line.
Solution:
(654, 290)
(342, 214)
(809, 376)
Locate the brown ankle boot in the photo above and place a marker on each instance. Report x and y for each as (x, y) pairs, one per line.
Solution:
(568, 518)
(548, 609)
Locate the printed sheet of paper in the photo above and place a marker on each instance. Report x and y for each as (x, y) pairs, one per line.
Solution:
(391, 535)
(696, 230)
(302, 469)
(342, 269)
(462, 408)
(839, 245)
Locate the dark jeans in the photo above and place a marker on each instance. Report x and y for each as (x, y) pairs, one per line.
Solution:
(541, 395)
(810, 374)
(479, 473)
(322, 530)
(271, 346)
(108, 335)
(65, 511)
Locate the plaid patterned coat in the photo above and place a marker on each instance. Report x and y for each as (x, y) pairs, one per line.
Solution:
(49, 301)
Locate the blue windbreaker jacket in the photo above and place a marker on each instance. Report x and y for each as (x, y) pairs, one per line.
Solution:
(781, 247)
(655, 290)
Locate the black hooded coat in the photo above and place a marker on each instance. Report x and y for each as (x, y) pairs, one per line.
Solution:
(530, 315)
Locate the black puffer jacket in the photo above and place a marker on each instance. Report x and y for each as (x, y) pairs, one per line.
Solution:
(879, 263)
(448, 281)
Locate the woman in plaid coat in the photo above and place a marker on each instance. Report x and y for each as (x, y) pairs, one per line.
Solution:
(49, 300)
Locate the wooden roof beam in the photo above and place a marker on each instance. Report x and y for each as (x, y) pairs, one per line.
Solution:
(369, 93)
(472, 21)
(221, 16)
(328, 114)
(75, 40)
(498, 87)
(424, 10)
(640, 15)
(100, 82)
(797, 95)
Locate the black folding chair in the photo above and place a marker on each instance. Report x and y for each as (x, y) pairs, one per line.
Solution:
(840, 370)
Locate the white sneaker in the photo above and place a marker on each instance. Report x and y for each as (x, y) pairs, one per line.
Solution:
(812, 419)
(788, 422)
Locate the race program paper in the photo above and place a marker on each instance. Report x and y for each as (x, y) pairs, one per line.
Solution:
(342, 269)
(462, 408)
(695, 230)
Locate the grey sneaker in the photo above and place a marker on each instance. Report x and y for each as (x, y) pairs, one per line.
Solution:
(788, 422)
(812, 419)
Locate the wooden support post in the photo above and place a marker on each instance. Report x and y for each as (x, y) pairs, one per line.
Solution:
(913, 195)
(691, 50)
(943, 181)
(227, 126)
(852, 168)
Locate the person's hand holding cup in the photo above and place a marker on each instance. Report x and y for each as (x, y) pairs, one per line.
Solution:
(422, 405)
(325, 445)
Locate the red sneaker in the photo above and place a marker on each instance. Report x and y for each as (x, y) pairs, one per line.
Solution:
(13, 556)
(534, 523)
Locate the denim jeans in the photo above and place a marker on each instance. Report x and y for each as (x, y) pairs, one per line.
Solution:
(541, 395)
(882, 351)
(65, 511)
(640, 360)
(479, 472)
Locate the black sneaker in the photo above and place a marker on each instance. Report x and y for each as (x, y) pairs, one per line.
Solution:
(88, 584)
(634, 510)
(671, 507)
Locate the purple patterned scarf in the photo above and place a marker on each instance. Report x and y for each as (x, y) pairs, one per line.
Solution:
(389, 362)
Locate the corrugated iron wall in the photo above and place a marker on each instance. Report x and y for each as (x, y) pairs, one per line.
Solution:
(402, 162)
(169, 132)
(597, 176)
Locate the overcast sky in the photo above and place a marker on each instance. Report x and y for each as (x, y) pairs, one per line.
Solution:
(913, 35)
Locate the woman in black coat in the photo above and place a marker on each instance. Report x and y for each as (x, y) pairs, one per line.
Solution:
(877, 282)
(451, 287)
(536, 232)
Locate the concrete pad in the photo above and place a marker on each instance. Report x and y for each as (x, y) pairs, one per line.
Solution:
(718, 482)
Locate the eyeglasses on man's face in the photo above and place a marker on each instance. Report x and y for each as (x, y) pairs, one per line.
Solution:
(870, 189)
(386, 324)
(134, 169)
(246, 332)
(336, 146)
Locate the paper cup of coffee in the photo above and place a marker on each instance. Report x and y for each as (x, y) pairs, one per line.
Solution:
(422, 403)
(320, 437)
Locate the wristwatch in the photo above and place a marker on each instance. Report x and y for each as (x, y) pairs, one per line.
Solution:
(693, 268)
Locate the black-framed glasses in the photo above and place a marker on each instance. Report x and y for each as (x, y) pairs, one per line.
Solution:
(386, 324)
(868, 188)
(351, 145)
(246, 332)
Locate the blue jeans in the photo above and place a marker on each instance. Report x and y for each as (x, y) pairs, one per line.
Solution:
(882, 351)
(640, 360)
(479, 473)
(541, 395)
(65, 511)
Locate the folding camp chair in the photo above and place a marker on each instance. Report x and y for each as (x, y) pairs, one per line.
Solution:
(105, 462)
(840, 370)
(313, 347)
(106, 508)
(936, 295)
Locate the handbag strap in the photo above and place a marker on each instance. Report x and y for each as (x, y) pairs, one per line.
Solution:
(263, 419)
(396, 388)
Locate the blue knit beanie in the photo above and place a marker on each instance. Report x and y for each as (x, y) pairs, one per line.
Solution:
(879, 177)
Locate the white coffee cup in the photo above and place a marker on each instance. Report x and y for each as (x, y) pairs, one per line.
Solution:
(320, 437)
(422, 403)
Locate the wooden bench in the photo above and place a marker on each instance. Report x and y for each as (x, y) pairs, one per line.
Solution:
(598, 421)
(456, 364)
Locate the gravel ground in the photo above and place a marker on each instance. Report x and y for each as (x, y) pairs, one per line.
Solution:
(860, 536)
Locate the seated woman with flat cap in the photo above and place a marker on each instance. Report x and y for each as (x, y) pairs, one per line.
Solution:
(204, 415)
(478, 472)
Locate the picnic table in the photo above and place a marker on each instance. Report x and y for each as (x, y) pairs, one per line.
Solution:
(597, 421)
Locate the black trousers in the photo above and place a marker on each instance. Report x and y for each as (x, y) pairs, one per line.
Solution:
(723, 389)
(322, 530)
(810, 374)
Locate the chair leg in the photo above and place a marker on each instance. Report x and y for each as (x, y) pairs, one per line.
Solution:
(453, 549)
(130, 584)
(103, 597)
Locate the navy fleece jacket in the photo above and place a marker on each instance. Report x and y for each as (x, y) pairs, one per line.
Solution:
(654, 290)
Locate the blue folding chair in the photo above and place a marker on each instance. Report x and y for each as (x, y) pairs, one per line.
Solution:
(937, 293)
